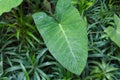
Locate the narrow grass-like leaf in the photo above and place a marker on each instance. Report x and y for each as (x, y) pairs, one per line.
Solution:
(42, 74)
(1, 65)
(25, 72)
(31, 35)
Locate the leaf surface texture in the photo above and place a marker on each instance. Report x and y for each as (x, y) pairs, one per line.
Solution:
(65, 35)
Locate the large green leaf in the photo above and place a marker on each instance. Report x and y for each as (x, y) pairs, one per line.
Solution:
(113, 33)
(65, 35)
(6, 5)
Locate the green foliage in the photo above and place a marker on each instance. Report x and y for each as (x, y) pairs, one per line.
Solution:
(103, 71)
(21, 28)
(114, 33)
(6, 5)
(83, 5)
(65, 37)
(1, 65)
(19, 60)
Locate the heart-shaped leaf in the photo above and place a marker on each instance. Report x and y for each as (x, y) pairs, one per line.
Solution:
(113, 33)
(6, 5)
(65, 35)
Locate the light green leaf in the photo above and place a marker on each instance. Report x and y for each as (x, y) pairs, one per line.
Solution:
(65, 35)
(117, 23)
(113, 33)
(7, 5)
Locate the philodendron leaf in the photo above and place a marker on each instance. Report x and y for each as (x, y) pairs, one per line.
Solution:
(113, 33)
(65, 36)
(6, 5)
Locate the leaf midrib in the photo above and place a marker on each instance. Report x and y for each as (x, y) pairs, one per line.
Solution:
(66, 38)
